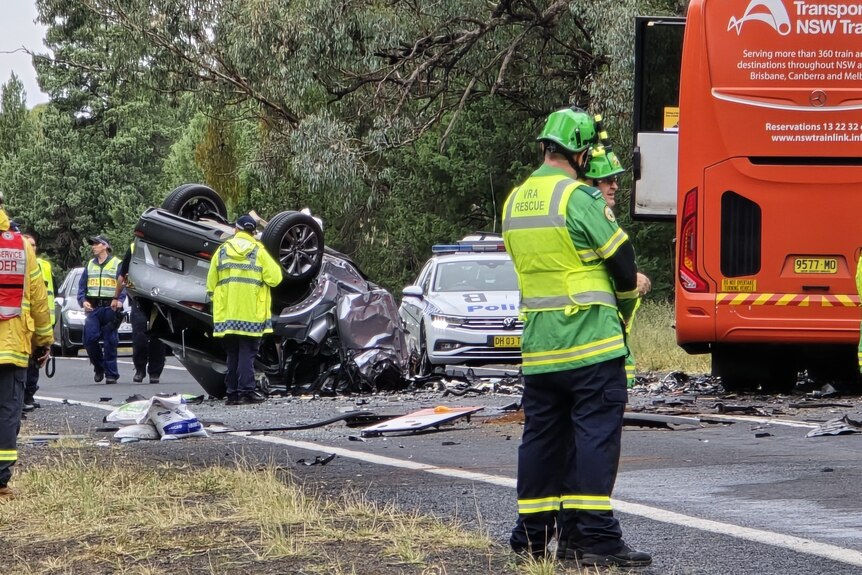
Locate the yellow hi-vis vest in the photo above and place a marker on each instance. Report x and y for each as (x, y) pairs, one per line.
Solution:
(550, 272)
(102, 279)
(48, 276)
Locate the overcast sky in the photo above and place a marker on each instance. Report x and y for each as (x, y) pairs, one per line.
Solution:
(17, 29)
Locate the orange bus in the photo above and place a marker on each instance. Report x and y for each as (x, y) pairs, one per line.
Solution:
(760, 104)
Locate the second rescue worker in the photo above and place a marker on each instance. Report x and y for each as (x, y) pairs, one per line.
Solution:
(577, 276)
(95, 291)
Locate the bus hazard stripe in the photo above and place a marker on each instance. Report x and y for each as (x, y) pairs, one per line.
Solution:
(787, 299)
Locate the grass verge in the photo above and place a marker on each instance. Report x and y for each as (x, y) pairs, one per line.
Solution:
(654, 345)
(84, 510)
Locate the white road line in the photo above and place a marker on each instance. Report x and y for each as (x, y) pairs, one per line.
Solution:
(790, 542)
(762, 420)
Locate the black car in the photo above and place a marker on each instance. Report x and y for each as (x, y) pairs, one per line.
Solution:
(334, 330)
(69, 324)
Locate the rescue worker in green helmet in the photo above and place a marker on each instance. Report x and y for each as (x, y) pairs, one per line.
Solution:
(577, 277)
(603, 171)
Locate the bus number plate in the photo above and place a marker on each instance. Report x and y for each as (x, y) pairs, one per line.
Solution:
(815, 265)
(507, 341)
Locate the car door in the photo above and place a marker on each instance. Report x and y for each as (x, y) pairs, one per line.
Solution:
(412, 307)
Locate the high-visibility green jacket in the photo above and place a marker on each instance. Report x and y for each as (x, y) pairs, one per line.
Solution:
(558, 232)
(48, 276)
(239, 280)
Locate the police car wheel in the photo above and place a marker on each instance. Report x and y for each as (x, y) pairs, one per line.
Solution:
(423, 365)
(196, 202)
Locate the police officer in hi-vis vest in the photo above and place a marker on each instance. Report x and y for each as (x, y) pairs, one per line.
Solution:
(95, 292)
(239, 280)
(25, 330)
(578, 281)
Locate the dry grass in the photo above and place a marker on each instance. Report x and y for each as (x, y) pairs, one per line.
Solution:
(654, 342)
(83, 511)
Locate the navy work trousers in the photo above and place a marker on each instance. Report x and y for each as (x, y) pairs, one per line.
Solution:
(571, 448)
(148, 353)
(11, 403)
(241, 351)
(100, 324)
(31, 386)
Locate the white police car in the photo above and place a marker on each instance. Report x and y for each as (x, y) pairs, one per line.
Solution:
(463, 307)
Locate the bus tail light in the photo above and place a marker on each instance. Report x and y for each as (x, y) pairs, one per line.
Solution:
(688, 276)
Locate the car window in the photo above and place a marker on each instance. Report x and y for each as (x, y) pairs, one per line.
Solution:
(70, 284)
(481, 275)
(424, 280)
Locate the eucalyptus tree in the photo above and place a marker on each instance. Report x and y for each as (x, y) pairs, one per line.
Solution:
(375, 114)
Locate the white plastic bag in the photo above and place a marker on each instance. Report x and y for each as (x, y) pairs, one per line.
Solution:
(136, 411)
(173, 419)
(137, 431)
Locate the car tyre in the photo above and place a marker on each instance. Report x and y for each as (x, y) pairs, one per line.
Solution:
(295, 240)
(66, 350)
(424, 367)
(196, 202)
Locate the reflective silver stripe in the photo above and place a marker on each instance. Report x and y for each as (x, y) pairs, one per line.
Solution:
(587, 255)
(589, 502)
(9, 312)
(553, 219)
(583, 298)
(526, 506)
(556, 356)
(616, 240)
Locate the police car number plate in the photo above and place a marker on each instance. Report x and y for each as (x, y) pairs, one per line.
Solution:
(507, 341)
(815, 265)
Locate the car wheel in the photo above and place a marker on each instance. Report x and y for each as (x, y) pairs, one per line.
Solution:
(66, 349)
(195, 202)
(424, 366)
(295, 240)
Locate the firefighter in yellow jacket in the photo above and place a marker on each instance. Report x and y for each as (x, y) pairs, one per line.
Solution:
(32, 385)
(239, 280)
(578, 282)
(25, 329)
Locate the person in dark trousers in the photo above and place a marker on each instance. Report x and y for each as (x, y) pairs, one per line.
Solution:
(578, 283)
(148, 353)
(95, 292)
(239, 280)
(32, 385)
(25, 331)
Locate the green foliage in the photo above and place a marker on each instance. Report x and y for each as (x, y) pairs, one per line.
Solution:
(401, 124)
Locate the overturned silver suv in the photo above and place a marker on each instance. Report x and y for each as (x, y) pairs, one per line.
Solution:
(335, 331)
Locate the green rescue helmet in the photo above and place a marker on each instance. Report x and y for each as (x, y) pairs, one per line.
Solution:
(603, 164)
(571, 128)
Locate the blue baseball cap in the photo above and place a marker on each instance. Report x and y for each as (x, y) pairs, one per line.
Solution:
(246, 223)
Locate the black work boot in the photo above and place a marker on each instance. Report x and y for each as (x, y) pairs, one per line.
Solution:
(567, 552)
(98, 376)
(625, 556)
(139, 376)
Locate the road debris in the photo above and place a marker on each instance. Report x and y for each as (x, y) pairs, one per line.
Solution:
(319, 460)
(657, 421)
(420, 420)
(839, 426)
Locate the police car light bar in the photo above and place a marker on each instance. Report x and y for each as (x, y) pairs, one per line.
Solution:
(468, 247)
